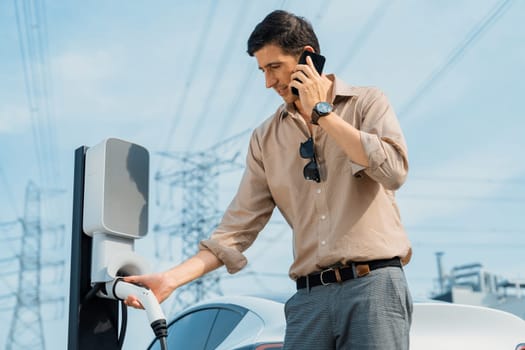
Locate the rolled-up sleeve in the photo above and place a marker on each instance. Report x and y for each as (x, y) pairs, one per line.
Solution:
(246, 215)
(382, 141)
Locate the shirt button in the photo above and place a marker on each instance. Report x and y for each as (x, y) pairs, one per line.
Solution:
(323, 242)
(323, 217)
(318, 191)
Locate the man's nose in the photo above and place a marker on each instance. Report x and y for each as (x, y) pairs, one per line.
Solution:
(270, 80)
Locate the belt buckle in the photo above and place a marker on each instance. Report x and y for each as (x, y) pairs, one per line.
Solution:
(321, 276)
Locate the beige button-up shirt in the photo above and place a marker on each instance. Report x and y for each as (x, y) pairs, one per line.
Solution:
(351, 215)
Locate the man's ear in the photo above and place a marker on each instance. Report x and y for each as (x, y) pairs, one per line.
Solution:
(309, 48)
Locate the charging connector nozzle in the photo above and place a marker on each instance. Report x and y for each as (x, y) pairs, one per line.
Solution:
(121, 290)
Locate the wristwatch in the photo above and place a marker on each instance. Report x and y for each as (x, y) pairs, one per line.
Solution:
(321, 109)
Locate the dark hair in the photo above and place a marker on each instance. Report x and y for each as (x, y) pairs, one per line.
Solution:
(286, 30)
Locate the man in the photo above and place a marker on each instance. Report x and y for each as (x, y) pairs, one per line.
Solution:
(330, 159)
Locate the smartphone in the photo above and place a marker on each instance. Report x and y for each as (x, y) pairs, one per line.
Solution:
(318, 61)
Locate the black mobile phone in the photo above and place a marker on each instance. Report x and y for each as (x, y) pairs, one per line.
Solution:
(318, 61)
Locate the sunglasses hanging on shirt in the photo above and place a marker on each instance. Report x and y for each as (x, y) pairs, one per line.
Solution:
(311, 170)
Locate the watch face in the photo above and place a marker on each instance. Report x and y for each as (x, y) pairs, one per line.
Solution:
(324, 107)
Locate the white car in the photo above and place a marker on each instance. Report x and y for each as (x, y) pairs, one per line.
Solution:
(256, 323)
(439, 326)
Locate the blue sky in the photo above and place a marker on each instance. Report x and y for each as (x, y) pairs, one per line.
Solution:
(174, 76)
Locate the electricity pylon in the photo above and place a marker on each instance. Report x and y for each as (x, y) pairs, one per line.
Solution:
(196, 174)
(26, 331)
(26, 328)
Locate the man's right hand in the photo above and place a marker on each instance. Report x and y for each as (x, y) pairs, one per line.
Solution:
(158, 283)
(162, 284)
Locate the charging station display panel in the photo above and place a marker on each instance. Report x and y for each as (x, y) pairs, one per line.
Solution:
(117, 189)
(126, 188)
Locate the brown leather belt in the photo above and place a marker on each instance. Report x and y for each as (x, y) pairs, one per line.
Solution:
(344, 273)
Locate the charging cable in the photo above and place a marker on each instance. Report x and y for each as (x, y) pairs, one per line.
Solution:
(119, 289)
(99, 287)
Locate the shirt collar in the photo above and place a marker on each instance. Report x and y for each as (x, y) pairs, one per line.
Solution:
(339, 89)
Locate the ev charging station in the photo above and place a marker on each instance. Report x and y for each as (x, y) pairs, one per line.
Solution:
(110, 211)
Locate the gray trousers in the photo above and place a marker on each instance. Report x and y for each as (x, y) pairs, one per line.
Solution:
(371, 312)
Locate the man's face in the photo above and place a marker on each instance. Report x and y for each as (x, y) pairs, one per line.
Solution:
(277, 67)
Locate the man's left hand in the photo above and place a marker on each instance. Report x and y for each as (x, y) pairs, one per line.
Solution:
(312, 86)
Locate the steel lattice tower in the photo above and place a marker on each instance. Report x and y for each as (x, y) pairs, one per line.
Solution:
(26, 328)
(197, 175)
(35, 272)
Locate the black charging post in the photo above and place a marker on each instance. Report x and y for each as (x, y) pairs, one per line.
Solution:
(93, 322)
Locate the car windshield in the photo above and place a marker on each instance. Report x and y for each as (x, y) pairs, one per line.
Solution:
(202, 329)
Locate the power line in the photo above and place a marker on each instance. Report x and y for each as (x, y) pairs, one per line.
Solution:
(480, 28)
(8, 224)
(219, 73)
(27, 84)
(180, 110)
(47, 85)
(186, 158)
(32, 34)
(237, 102)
